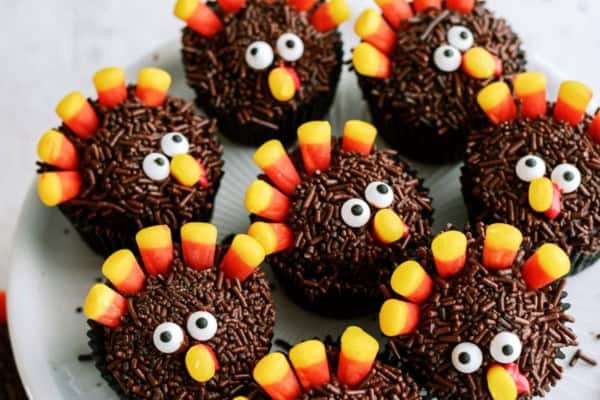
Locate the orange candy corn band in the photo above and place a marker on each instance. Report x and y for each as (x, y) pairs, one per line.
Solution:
(302, 5)
(310, 362)
(359, 137)
(55, 188)
(461, 6)
(497, 102)
(273, 237)
(244, 255)
(411, 281)
(231, 6)
(2, 307)
(265, 201)
(77, 113)
(152, 86)
(275, 162)
(156, 248)
(198, 16)
(424, 5)
(275, 376)
(371, 62)
(198, 243)
(573, 99)
(104, 306)
(449, 252)
(357, 356)
(501, 245)
(595, 128)
(111, 86)
(315, 145)
(55, 149)
(530, 88)
(395, 11)
(124, 272)
(372, 28)
(548, 264)
(329, 15)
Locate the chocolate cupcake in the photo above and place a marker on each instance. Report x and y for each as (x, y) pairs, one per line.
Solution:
(335, 215)
(536, 165)
(193, 328)
(420, 66)
(478, 320)
(262, 68)
(11, 387)
(135, 157)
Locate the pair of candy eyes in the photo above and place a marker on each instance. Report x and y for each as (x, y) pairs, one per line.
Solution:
(505, 348)
(356, 212)
(168, 337)
(448, 57)
(566, 176)
(260, 55)
(156, 165)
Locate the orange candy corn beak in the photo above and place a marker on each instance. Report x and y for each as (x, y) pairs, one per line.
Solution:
(2, 307)
(372, 28)
(188, 171)
(573, 99)
(302, 5)
(357, 355)
(55, 188)
(124, 272)
(152, 86)
(449, 252)
(501, 245)
(359, 137)
(201, 363)
(388, 226)
(77, 113)
(231, 6)
(272, 237)
(105, 306)
(369, 61)
(395, 11)
(497, 102)
(548, 264)
(545, 197)
(55, 149)
(530, 88)
(461, 6)
(156, 248)
(425, 5)
(411, 281)
(198, 16)
(397, 317)
(265, 201)
(329, 15)
(244, 255)
(315, 145)
(310, 363)
(283, 83)
(275, 376)
(198, 242)
(272, 158)
(505, 382)
(595, 128)
(110, 85)
(479, 63)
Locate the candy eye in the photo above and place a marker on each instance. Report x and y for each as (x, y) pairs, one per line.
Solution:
(467, 357)
(168, 337)
(259, 55)
(505, 347)
(156, 166)
(202, 326)
(379, 194)
(290, 47)
(447, 58)
(530, 167)
(460, 37)
(174, 143)
(567, 176)
(356, 213)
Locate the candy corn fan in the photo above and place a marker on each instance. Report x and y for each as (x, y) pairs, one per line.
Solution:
(52, 269)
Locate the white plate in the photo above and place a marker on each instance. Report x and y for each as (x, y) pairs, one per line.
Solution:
(51, 270)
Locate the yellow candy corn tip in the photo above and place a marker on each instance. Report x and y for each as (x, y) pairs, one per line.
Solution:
(271, 369)
(117, 266)
(366, 59)
(307, 353)
(554, 260)
(480, 63)
(185, 169)
(339, 11)
(500, 384)
(541, 193)
(98, 300)
(199, 232)
(575, 94)
(503, 236)
(155, 78)
(49, 145)
(70, 105)
(360, 130)
(249, 248)
(407, 278)
(49, 189)
(449, 245)
(200, 364)
(392, 317)
(268, 153)
(263, 233)
(367, 23)
(282, 84)
(358, 345)
(258, 196)
(108, 78)
(492, 95)
(184, 9)
(529, 82)
(154, 237)
(388, 225)
(314, 132)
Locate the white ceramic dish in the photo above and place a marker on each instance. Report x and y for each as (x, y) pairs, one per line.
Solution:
(51, 269)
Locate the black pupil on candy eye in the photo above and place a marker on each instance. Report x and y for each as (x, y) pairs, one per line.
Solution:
(201, 323)
(531, 162)
(254, 51)
(448, 53)
(159, 161)
(464, 358)
(166, 337)
(383, 189)
(464, 35)
(507, 350)
(569, 176)
(357, 210)
(177, 138)
(290, 44)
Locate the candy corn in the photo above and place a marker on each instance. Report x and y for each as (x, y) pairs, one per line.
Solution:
(501, 244)
(105, 306)
(156, 248)
(275, 376)
(573, 99)
(372, 28)
(198, 16)
(424, 5)
(242, 258)
(545, 266)
(449, 252)
(264, 200)
(186, 169)
(395, 11)
(2, 307)
(388, 226)
(479, 63)
(152, 86)
(201, 363)
(411, 281)
(497, 102)
(359, 137)
(55, 149)
(530, 88)
(329, 15)
(357, 355)
(461, 6)
(124, 272)
(273, 237)
(500, 383)
(398, 317)
(231, 6)
(77, 113)
(283, 83)
(272, 158)
(545, 197)
(595, 128)
(315, 145)
(110, 85)
(369, 61)
(309, 359)
(198, 242)
(55, 188)
(302, 5)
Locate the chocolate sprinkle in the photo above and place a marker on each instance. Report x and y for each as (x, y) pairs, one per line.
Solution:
(579, 355)
(11, 387)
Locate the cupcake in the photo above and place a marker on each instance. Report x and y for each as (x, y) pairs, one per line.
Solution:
(262, 68)
(190, 325)
(135, 157)
(536, 165)
(420, 66)
(11, 387)
(333, 371)
(478, 319)
(335, 215)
